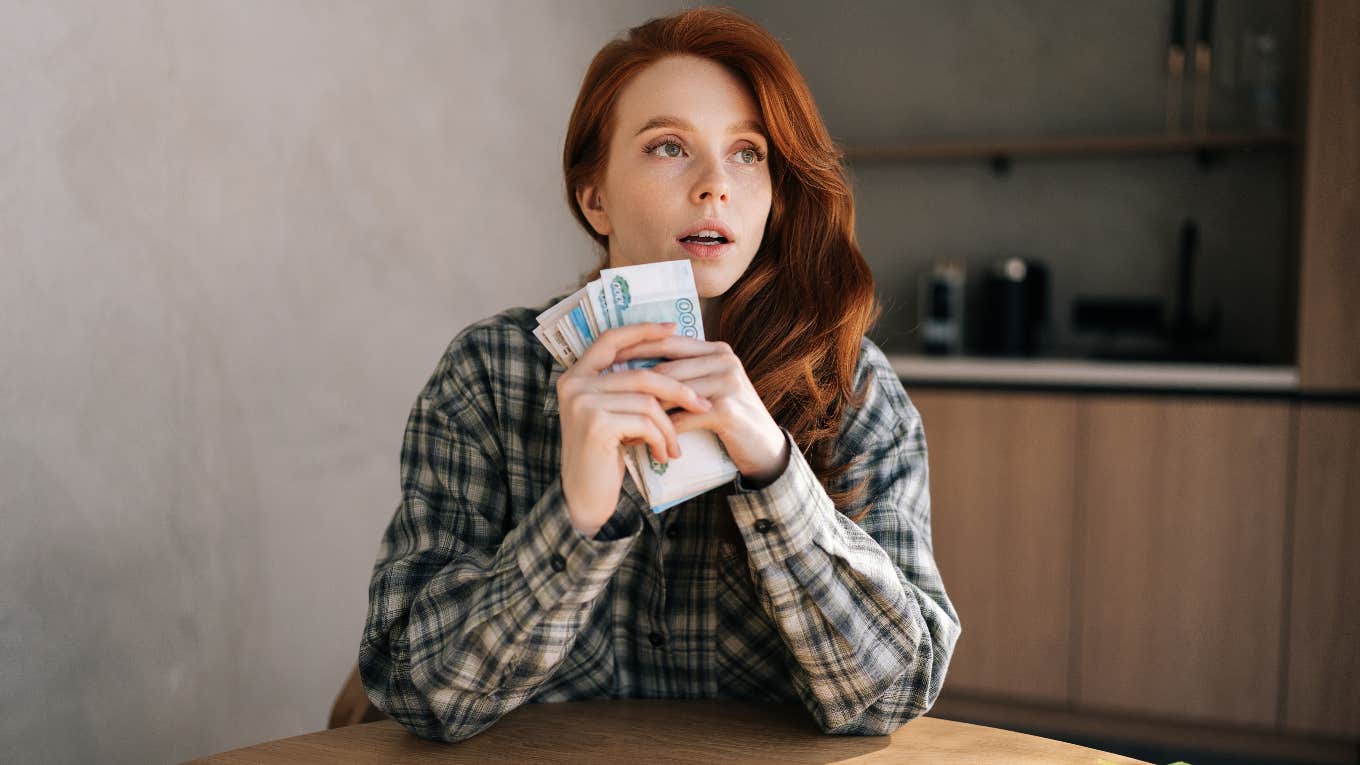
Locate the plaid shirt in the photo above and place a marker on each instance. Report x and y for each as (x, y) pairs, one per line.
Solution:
(485, 597)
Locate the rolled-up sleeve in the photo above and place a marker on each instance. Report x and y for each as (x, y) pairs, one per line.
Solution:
(861, 607)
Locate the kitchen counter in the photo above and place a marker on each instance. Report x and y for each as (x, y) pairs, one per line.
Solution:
(1080, 373)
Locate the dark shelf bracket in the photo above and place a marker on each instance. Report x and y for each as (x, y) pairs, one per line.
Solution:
(1001, 165)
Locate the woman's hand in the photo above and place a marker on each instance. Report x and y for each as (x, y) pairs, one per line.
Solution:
(753, 439)
(600, 411)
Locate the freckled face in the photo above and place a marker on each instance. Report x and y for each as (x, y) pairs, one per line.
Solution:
(710, 161)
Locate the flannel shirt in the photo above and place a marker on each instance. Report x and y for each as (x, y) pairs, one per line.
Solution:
(485, 597)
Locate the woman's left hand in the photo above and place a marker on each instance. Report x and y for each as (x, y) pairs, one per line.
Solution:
(752, 438)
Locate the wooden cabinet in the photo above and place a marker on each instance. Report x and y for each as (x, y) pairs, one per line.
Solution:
(1323, 693)
(1182, 509)
(1329, 256)
(1116, 553)
(1165, 568)
(1156, 566)
(1001, 482)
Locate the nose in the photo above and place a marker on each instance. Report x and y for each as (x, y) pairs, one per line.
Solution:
(712, 184)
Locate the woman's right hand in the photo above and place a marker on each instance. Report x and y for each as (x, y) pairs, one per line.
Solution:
(601, 411)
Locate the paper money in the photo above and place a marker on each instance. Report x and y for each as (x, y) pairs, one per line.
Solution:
(654, 292)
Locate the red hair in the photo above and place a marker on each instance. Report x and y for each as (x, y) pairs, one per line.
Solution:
(796, 317)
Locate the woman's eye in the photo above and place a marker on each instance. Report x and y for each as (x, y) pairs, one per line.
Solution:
(750, 155)
(654, 147)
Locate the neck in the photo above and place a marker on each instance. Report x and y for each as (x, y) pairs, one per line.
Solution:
(708, 309)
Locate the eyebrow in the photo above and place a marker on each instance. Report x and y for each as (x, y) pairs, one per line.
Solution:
(675, 122)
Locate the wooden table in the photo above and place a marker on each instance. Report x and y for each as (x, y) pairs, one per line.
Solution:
(664, 731)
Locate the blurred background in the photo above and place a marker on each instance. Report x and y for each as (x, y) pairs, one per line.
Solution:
(237, 237)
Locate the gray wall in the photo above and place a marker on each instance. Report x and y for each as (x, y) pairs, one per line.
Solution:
(235, 238)
(888, 72)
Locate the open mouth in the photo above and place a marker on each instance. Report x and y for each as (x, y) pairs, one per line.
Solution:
(707, 239)
(706, 247)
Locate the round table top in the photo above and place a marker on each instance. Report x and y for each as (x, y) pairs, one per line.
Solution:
(655, 731)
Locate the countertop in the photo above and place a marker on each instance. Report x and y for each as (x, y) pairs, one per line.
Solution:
(1081, 373)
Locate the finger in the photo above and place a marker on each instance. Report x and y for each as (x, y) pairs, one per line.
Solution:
(646, 405)
(604, 350)
(672, 347)
(710, 388)
(684, 422)
(671, 391)
(628, 426)
(685, 370)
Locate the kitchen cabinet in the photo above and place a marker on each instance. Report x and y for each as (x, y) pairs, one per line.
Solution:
(1001, 480)
(1329, 270)
(1213, 585)
(1323, 694)
(1182, 509)
(1125, 560)
(1121, 553)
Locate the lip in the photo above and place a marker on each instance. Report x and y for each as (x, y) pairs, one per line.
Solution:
(708, 251)
(709, 223)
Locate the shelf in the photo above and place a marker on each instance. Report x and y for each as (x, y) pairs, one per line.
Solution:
(1082, 373)
(1072, 146)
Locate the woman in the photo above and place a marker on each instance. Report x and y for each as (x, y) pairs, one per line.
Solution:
(520, 567)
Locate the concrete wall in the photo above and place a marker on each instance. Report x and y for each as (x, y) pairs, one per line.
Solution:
(235, 237)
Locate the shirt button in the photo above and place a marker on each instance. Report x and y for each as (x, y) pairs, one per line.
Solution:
(764, 525)
(558, 562)
(657, 639)
(673, 532)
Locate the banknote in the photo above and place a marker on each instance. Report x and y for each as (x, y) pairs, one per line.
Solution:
(552, 331)
(653, 292)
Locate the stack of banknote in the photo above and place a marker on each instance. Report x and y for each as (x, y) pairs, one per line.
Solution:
(654, 292)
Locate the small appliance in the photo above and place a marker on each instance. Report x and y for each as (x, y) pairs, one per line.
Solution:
(1015, 307)
(940, 305)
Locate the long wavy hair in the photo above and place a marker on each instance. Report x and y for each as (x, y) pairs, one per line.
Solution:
(796, 317)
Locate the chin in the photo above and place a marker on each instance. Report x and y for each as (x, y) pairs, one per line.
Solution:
(710, 285)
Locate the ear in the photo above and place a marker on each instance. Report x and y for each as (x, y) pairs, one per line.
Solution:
(591, 200)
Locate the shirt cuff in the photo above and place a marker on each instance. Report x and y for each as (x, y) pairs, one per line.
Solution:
(560, 564)
(785, 517)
